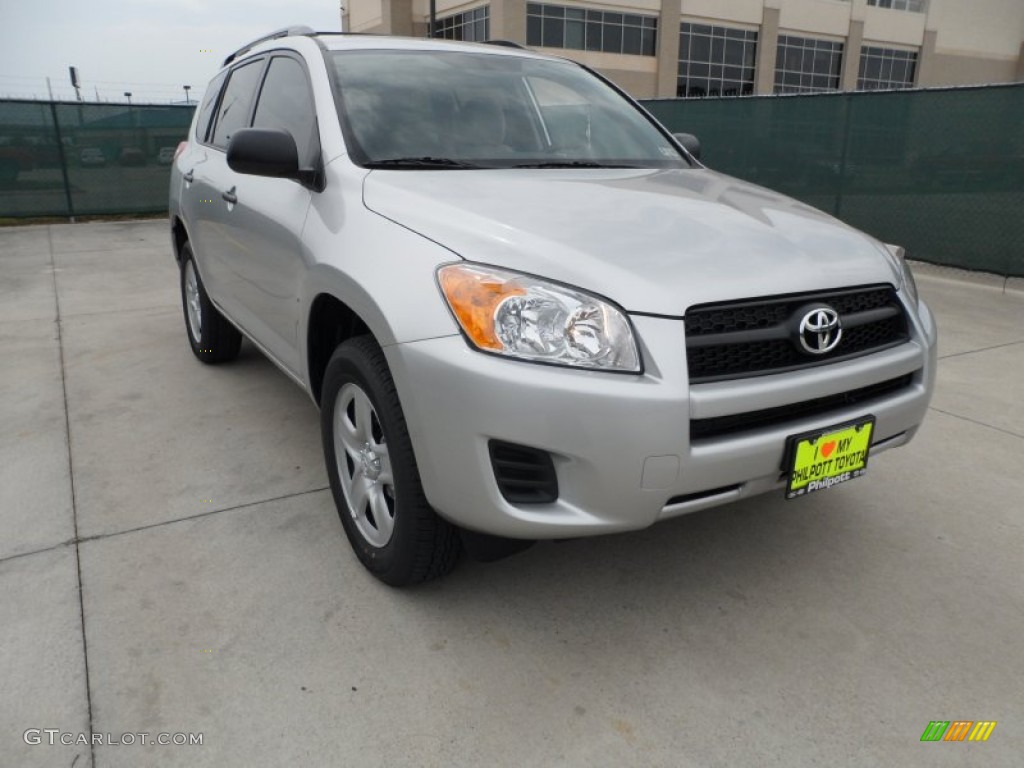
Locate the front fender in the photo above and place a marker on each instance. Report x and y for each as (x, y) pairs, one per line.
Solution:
(380, 270)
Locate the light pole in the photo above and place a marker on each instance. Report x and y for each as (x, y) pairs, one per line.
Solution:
(131, 119)
(187, 89)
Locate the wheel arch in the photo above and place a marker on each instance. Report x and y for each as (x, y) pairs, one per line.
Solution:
(331, 321)
(179, 236)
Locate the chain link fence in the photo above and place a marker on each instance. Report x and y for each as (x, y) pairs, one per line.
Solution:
(940, 172)
(78, 159)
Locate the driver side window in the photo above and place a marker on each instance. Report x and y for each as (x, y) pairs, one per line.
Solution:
(233, 112)
(286, 102)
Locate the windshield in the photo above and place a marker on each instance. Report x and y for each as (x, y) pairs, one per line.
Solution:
(448, 109)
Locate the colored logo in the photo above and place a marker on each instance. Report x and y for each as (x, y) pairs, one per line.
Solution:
(958, 730)
(820, 330)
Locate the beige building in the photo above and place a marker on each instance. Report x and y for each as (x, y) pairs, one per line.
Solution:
(667, 48)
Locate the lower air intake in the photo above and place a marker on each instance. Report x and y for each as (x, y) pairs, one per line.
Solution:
(525, 475)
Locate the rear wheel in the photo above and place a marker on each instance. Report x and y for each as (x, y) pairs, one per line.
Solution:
(373, 472)
(212, 338)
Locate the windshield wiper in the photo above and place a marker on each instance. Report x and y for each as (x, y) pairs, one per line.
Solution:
(573, 164)
(420, 162)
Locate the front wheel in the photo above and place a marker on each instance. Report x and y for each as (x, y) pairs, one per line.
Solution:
(373, 474)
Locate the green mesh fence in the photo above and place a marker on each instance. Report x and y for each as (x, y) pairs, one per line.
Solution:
(940, 172)
(71, 159)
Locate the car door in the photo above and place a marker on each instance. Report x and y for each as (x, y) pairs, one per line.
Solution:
(267, 220)
(195, 184)
(219, 253)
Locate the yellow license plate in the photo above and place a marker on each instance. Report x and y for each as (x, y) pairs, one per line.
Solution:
(822, 460)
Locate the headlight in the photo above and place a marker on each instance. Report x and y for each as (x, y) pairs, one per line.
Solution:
(909, 285)
(532, 319)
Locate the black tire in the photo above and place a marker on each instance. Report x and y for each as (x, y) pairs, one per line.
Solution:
(421, 546)
(217, 340)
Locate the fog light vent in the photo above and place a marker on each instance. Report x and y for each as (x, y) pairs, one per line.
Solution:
(525, 475)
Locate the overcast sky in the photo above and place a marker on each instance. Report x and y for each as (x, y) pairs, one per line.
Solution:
(148, 47)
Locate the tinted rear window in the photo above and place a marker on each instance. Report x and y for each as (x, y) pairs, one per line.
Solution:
(206, 110)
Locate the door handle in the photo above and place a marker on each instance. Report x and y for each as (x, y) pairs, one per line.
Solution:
(230, 196)
(188, 176)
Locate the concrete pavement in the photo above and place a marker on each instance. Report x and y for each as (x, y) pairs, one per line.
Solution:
(172, 563)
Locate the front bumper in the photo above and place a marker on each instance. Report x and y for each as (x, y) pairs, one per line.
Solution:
(621, 443)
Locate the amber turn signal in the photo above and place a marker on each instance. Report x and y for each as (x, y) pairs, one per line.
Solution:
(474, 296)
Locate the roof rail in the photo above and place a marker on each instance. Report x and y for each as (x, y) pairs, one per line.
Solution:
(286, 32)
(506, 44)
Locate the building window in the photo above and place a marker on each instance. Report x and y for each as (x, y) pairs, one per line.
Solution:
(900, 5)
(886, 68)
(716, 61)
(806, 65)
(471, 26)
(555, 26)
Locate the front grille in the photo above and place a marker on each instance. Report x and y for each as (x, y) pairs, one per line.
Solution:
(718, 426)
(760, 336)
(525, 475)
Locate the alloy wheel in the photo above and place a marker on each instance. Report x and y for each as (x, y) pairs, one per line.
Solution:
(364, 465)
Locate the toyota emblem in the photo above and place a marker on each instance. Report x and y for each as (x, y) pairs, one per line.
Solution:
(820, 330)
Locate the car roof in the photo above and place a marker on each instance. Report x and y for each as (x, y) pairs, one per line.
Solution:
(343, 42)
(294, 38)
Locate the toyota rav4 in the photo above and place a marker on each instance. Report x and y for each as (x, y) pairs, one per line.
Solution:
(525, 309)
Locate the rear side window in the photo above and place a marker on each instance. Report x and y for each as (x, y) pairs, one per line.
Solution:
(233, 112)
(286, 102)
(209, 102)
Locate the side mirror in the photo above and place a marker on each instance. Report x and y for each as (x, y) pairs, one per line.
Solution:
(690, 143)
(264, 152)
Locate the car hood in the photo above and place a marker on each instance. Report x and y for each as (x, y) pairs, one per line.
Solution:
(654, 241)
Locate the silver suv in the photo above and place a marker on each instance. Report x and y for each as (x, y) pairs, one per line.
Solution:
(526, 310)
